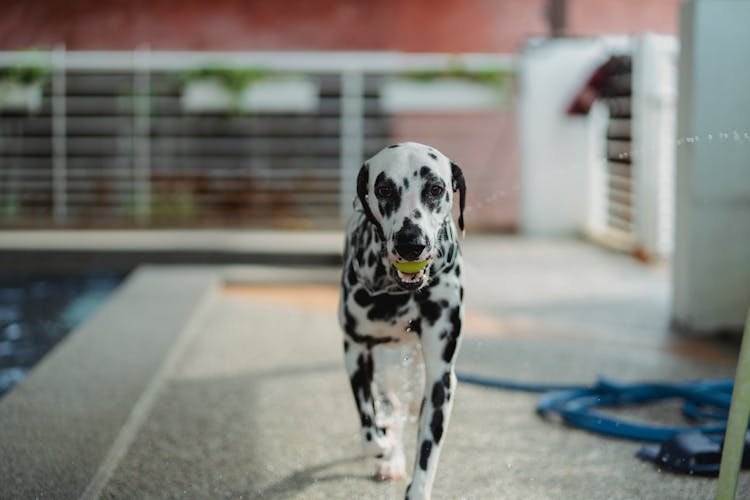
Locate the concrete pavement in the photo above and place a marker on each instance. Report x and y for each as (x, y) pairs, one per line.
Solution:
(259, 407)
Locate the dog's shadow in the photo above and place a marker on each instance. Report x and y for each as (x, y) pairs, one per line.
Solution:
(302, 479)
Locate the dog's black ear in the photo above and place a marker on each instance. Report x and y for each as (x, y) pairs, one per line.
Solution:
(363, 179)
(459, 184)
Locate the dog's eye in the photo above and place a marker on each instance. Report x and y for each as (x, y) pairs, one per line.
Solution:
(383, 191)
(436, 190)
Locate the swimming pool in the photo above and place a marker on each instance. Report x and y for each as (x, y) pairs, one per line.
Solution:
(38, 310)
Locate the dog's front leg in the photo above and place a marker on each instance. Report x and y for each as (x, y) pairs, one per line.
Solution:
(360, 366)
(439, 347)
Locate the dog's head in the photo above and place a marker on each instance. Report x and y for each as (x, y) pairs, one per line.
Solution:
(406, 190)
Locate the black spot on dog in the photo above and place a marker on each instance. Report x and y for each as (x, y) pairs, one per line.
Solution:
(362, 298)
(432, 155)
(455, 319)
(350, 323)
(390, 204)
(385, 306)
(450, 346)
(393, 146)
(430, 311)
(406, 183)
(450, 350)
(368, 436)
(351, 276)
(449, 255)
(371, 259)
(415, 326)
(431, 179)
(461, 293)
(458, 271)
(436, 426)
(438, 394)
(414, 174)
(447, 380)
(346, 346)
(417, 214)
(361, 382)
(422, 295)
(424, 454)
(360, 256)
(449, 266)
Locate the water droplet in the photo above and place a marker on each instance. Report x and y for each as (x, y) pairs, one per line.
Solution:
(13, 331)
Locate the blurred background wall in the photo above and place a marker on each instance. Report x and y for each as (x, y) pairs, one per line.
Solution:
(415, 25)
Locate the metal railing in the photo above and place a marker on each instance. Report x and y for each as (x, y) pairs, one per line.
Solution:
(111, 144)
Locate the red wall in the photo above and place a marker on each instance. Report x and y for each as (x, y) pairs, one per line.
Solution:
(594, 17)
(407, 25)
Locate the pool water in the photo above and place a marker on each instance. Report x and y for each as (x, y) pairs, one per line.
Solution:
(37, 311)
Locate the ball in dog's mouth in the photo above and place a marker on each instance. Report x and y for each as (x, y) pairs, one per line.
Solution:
(411, 275)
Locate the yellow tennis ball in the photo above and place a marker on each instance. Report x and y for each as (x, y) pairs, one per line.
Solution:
(410, 267)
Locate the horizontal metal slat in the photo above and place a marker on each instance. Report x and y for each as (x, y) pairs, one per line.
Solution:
(619, 128)
(619, 151)
(620, 224)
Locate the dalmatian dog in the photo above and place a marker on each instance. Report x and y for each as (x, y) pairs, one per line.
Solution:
(401, 285)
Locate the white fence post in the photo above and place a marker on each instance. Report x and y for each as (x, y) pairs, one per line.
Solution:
(352, 136)
(59, 133)
(141, 135)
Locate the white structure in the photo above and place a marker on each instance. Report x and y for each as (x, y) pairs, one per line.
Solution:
(567, 183)
(712, 243)
(269, 95)
(654, 120)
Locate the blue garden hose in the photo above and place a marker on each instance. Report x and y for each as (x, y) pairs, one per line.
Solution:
(575, 404)
(688, 449)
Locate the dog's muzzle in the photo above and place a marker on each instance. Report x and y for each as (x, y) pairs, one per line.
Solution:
(411, 264)
(410, 245)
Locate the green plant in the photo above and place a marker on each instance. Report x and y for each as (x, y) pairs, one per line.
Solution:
(233, 79)
(498, 77)
(31, 69)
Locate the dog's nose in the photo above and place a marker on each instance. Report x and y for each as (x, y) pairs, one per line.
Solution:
(409, 251)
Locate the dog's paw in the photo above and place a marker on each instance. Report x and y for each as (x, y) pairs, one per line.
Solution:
(392, 469)
(377, 445)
